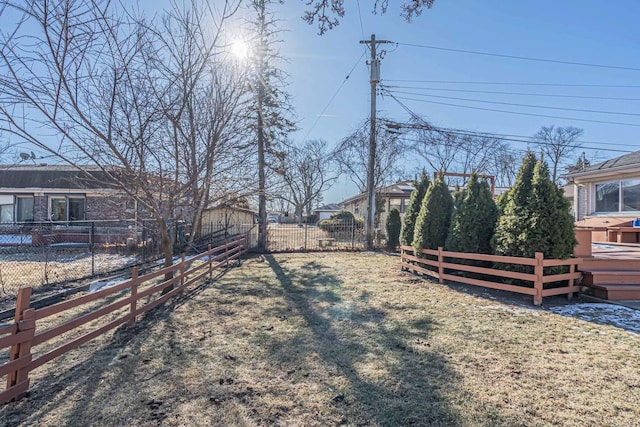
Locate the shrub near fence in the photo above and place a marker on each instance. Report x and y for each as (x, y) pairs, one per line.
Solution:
(121, 301)
(451, 266)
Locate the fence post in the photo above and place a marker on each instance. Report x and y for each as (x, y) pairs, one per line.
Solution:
(92, 230)
(539, 273)
(210, 269)
(440, 264)
(21, 349)
(182, 270)
(572, 269)
(134, 292)
(305, 237)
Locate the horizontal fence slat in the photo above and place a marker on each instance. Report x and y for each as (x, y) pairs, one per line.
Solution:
(41, 313)
(432, 263)
(157, 287)
(559, 262)
(59, 351)
(15, 364)
(79, 321)
(493, 285)
(14, 391)
(8, 328)
(562, 277)
(194, 279)
(17, 338)
(492, 258)
(560, 291)
(421, 270)
(490, 271)
(146, 307)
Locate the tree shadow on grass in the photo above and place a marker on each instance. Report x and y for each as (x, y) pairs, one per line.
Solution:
(379, 367)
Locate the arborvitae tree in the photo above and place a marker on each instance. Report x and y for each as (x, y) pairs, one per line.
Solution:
(551, 222)
(413, 209)
(474, 219)
(432, 224)
(393, 229)
(511, 236)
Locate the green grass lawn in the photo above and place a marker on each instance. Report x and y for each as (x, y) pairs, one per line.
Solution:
(341, 339)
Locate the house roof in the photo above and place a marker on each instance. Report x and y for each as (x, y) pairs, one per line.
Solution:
(628, 161)
(53, 177)
(232, 208)
(329, 207)
(401, 189)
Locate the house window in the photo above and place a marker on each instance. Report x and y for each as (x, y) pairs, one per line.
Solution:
(67, 208)
(631, 195)
(6, 213)
(6, 208)
(608, 197)
(396, 204)
(24, 209)
(618, 196)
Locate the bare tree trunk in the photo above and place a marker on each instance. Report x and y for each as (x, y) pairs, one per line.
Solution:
(262, 195)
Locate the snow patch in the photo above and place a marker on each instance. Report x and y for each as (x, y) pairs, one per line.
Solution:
(104, 284)
(604, 314)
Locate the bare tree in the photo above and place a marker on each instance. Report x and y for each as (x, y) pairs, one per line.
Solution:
(328, 12)
(93, 84)
(352, 155)
(450, 151)
(306, 172)
(557, 144)
(272, 106)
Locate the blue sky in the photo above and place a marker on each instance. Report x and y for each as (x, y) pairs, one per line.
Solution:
(589, 31)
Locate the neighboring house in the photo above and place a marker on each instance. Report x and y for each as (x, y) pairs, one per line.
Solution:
(607, 194)
(55, 193)
(394, 196)
(325, 211)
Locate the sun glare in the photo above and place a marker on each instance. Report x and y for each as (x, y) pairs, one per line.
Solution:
(240, 49)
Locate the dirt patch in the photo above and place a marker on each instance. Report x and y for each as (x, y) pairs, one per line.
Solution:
(340, 339)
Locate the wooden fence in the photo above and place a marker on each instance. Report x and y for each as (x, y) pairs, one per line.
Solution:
(450, 266)
(22, 336)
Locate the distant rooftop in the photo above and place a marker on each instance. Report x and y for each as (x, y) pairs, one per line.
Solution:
(53, 177)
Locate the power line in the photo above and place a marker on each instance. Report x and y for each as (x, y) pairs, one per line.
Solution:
(512, 83)
(506, 137)
(334, 95)
(512, 104)
(360, 16)
(514, 93)
(523, 58)
(521, 113)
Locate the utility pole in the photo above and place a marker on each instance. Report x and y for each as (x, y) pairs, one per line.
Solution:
(374, 79)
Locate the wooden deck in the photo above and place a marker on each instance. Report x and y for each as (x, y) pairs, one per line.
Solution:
(613, 271)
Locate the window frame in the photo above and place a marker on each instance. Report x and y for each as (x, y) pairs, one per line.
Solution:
(67, 205)
(620, 201)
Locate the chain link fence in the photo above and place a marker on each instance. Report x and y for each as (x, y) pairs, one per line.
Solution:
(47, 254)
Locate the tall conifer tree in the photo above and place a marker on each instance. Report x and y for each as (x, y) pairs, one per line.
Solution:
(413, 209)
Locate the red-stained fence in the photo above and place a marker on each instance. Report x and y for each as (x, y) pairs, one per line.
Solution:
(140, 294)
(450, 266)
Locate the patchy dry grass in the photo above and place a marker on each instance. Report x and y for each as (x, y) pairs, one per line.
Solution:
(341, 339)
